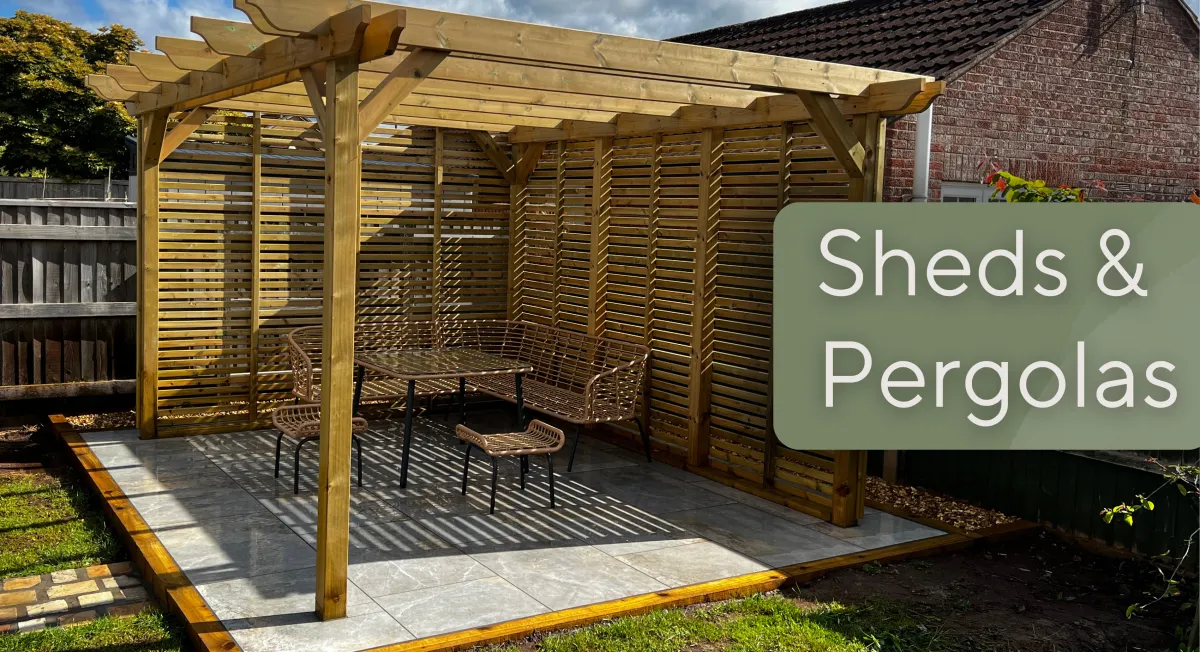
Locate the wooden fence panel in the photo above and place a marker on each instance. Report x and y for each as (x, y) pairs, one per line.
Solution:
(67, 298)
(94, 189)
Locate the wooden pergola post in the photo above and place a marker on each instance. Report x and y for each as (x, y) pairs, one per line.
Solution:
(343, 153)
(152, 131)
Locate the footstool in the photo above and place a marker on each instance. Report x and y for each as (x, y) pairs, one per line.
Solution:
(539, 439)
(302, 423)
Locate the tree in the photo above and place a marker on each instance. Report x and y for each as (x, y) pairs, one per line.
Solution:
(49, 119)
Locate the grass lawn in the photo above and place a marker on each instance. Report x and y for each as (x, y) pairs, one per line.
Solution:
(47, 524)
(146, 632)
(758, 623)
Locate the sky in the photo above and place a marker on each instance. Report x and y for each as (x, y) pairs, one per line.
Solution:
(646, 18)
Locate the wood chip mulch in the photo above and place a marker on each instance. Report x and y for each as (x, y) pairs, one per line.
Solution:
(919, 502)
(104, 421)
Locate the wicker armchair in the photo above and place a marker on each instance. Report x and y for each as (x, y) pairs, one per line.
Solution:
(577, 378)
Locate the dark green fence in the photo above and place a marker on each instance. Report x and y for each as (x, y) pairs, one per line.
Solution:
(1066, 490)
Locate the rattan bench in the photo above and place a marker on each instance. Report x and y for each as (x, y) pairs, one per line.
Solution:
(577, 378)
(302, 423)
(538, 439)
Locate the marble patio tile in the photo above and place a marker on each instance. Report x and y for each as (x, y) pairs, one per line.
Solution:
(589, 457)
(380, 573)
(771, 540)
(463, 531)
(455, 607)
(193, 505)
(238, 547)
(879, 530)
(99, 437)
(761, 504)
(301, 509)
(565, 577)
(269, 613)
(692, 563)
(646, 489)
(398, 539)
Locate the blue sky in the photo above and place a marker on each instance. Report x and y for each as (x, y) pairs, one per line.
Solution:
(648, 18)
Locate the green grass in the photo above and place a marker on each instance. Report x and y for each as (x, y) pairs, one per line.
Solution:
(48, 524)
(760, 623)
(146, 632)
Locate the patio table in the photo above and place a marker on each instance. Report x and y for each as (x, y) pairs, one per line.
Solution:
(415, 365)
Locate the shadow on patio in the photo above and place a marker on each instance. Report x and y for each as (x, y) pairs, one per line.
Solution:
(426, 560)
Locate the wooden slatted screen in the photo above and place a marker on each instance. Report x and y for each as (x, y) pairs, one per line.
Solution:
(429, 214)
(435, 224)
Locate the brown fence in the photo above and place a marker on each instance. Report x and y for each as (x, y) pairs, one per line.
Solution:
(663, 239)
(99, 189)
(67, 298)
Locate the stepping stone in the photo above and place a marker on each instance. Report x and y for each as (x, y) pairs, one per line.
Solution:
(70, 597)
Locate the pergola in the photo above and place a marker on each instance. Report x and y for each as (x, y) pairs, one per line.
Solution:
(353, 66)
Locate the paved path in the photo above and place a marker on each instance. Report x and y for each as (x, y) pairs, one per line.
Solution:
(70, 597)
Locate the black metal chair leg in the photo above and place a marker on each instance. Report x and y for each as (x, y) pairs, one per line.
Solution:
(495, 474)
(550, 472)
(645, 438)
(574, 447)
(524, 470)
(278, 443)
(296, 469)
(466, 467)
(358, 447)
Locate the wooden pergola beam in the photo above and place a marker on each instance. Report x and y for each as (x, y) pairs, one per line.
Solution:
(495, 154)
(528, 162)
(152, 129)
(585, 50)
(274, 61)
(401, 81)
(184, 128)
(830, 124)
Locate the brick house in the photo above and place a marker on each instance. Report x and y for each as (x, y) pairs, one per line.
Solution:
(1070, 91)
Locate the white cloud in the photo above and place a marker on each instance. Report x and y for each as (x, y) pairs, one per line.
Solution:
(645, 18)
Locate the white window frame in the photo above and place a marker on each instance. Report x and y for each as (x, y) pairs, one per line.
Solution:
(977, 191)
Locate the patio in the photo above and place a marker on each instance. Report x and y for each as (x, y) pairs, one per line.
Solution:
(425, 560)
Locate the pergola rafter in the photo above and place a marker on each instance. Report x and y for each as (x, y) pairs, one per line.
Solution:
(353, 66)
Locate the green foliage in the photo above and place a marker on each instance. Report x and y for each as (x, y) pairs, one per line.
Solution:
(148, 631)
(47, 524)
(49, 119)
(1186, 479)
(1016, 189)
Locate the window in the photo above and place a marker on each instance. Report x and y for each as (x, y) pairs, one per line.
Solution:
(957, 192)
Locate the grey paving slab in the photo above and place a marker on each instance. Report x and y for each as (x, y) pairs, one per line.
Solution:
(424, 559)
(646, 489)
(398, 538)
(274, 612)
(301, 509)
(379, 573)
(565, 577)
(692, 563)
(774, 509)
(238, 547)
(878, 530)
(769, 539)
(455, 607)
(193, 505)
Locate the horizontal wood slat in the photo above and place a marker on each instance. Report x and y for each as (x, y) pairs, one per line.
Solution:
(61, 232)
(66, 310)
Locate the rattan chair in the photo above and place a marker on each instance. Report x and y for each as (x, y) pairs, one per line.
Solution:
(539, 438)
(302, 423)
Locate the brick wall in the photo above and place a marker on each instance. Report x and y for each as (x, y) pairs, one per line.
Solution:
(1098, 90)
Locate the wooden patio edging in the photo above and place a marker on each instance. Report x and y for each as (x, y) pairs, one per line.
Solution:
(175, 592)
(171, 587)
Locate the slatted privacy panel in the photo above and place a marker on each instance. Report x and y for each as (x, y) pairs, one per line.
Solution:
(67, 293)
(647, 265)
(204, 326)
(474, 236)
(242, 228)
